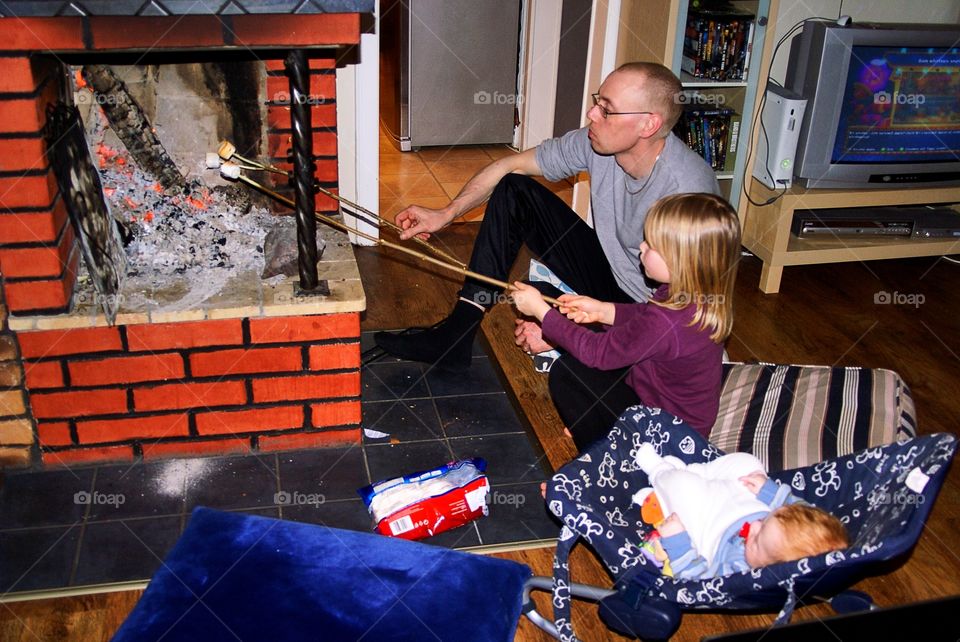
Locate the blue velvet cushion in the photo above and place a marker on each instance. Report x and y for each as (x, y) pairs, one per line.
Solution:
(233, 576)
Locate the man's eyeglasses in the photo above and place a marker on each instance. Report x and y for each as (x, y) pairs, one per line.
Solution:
(606, 112)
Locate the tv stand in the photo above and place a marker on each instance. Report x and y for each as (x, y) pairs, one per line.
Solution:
(766, 230)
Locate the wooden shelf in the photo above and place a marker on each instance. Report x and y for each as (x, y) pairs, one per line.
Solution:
(689, 80)
(766, 229)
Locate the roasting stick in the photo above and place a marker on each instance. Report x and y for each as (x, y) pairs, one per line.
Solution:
(379, 241)
(227, 152)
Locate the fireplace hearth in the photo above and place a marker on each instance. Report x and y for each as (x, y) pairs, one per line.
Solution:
(259, 365)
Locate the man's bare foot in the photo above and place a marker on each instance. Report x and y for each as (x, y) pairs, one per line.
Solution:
(543, 489)
(529, 336)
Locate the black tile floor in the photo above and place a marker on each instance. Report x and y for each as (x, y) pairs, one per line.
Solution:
(114, 523)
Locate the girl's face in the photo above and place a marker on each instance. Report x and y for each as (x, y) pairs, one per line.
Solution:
(653, 264)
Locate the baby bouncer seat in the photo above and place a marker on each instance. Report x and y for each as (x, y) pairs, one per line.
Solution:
(882, 494)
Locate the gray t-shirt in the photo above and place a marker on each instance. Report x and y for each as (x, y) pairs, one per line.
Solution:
(619, 201)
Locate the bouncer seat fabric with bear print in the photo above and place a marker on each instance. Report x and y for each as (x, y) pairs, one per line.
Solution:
(882, 494)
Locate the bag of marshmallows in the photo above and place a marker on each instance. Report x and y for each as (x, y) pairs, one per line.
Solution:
(429, 502)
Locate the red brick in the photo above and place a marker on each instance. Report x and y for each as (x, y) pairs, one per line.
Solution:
(18, 76)
(300, 440)
(51, 294)
(323, 386)
(28, 114)
(26, 74)
(305, 328)
(54, 433)
(190, 395)
(35, 227)
(338, 413)
(41, 34)
(105, 430)
(315, 63)
(194, 447)
(194, 334)
(86, 455)
(324, 144)
(324, 203)
(23, 153)
(322, 86)
(53, 343)
(335, 356)
(155, 32)
(44, 374)
(243, 361)
(278, 116)
(42, 261)
(300, 30)
(78, 403)
(152, 367)
(28, 191)
(256, 420)
(325, 172)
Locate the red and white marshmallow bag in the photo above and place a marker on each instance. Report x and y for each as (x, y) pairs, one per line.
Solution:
(429, 502)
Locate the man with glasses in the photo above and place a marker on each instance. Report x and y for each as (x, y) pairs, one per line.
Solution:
(633, 159)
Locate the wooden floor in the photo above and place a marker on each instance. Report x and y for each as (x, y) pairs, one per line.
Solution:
(823, 315)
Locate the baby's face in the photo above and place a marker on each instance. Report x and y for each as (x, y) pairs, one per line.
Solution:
(766, 541)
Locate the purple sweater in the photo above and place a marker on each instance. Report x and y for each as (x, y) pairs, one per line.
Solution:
(673, 365)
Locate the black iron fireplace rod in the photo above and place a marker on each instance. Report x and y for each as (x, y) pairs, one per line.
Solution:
(298, 72)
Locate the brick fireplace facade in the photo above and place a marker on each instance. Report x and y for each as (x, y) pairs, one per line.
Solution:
(252, 375)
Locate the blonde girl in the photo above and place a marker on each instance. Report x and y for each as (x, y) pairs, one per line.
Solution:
(665, 353)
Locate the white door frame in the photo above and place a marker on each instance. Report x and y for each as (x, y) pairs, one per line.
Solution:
(358, 131)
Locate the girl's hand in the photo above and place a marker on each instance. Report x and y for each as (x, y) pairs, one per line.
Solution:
(670, 526)
(754, 481)
(529, 301)
(583, 309)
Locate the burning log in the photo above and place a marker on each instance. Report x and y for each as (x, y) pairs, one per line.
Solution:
(131, 125)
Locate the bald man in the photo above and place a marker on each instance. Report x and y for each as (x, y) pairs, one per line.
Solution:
(633, 159)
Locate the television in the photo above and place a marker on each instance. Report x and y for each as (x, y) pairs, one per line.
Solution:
(883, 104)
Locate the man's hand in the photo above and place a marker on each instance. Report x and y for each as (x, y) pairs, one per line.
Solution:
(421, 221)
(529, 300)
(529, 336)
(671, 526)
(583, 309)
(754, 481)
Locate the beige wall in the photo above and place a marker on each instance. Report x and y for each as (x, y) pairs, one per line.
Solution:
(900, 11)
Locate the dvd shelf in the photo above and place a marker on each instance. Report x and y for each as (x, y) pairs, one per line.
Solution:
(718, 49)
(717, 43)
(712, 133)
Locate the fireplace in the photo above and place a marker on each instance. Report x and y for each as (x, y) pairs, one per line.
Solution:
(262, 366)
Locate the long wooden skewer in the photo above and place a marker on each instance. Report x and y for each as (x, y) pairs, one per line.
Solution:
(227, 149)
(378, 241)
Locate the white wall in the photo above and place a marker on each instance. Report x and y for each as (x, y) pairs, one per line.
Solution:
(898, 11)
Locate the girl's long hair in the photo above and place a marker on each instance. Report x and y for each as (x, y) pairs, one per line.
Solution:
(698, 236)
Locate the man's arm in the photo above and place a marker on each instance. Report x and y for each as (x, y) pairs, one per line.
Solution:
(416, 220)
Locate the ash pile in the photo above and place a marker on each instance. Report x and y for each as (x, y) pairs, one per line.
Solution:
(183, 244)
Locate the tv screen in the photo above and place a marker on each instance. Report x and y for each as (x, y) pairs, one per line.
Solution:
(900, 105)
(883, 104)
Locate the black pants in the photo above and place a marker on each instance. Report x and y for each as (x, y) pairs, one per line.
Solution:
(589, 400)
(522, 211)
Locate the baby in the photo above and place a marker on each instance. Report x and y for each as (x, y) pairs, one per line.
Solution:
(726, 516)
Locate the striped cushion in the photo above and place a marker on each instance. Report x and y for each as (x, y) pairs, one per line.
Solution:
(792, 416)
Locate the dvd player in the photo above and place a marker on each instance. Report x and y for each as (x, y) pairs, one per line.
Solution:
(910, 221)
